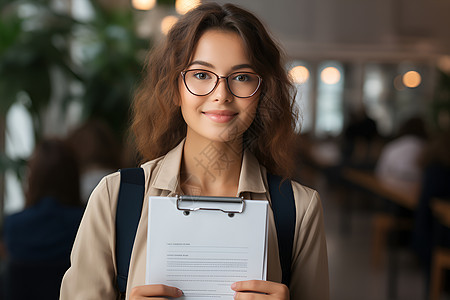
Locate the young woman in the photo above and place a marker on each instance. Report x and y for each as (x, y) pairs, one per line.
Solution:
(213, 115)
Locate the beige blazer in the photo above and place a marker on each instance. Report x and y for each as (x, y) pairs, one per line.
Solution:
(93, 263)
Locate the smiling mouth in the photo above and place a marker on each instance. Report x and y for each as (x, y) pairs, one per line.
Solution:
(220, 116)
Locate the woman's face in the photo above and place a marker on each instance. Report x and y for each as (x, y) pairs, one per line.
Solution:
(219, 116)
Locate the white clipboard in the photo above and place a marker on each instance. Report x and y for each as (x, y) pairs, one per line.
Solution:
(202, 245)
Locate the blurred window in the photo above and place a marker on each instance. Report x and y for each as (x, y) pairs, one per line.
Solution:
(395, 92)
(330, 89)
(19, 144)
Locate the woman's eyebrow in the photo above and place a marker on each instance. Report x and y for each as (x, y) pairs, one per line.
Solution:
(242, 66)
(207, 64)
(201, 62)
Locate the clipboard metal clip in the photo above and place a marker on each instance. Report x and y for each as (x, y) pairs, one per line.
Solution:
(229, 205)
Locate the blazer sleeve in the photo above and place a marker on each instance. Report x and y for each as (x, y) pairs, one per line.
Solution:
(93, 267)
(309, 279)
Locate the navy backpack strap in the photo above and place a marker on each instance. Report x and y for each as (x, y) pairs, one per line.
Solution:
(129, 207)
(284, 213)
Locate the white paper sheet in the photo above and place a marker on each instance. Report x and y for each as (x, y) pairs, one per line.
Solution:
(205, 252)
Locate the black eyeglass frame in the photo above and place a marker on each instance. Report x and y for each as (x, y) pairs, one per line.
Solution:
(183, 73)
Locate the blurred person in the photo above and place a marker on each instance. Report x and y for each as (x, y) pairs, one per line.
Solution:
(38, 239)
(356, 148)
(399, 161)
(359, 141)
(98, 152)
(435, 184)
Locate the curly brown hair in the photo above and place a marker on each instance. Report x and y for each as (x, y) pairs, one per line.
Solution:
(158, 124)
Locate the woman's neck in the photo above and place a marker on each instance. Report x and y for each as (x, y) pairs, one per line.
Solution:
(211, 168)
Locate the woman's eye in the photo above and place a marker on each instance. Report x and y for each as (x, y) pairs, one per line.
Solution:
(241, 77)
(201, 75)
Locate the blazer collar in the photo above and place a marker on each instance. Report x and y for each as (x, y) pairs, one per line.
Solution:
(168, 175)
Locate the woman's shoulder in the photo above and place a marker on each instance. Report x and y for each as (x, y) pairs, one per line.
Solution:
(301, 190)
(306, 198)
(111, 182)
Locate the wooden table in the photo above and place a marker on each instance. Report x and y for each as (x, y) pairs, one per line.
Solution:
(401, 193)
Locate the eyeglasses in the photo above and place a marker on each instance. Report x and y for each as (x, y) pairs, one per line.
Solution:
(202, 82)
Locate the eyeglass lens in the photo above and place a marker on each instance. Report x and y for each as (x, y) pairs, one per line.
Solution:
(202, 82)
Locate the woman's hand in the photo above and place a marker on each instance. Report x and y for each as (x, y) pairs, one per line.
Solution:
(260, 289)
(155, 291)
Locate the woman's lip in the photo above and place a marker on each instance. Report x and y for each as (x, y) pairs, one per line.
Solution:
(220, 116)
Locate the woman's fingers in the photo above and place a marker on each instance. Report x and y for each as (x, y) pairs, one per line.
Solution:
(260, 289)
(153, 291)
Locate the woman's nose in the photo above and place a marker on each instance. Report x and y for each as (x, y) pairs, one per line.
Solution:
(222, 92)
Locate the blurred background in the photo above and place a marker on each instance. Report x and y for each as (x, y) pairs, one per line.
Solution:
(373, 81)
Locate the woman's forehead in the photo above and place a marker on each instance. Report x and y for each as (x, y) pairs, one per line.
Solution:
(220, 49)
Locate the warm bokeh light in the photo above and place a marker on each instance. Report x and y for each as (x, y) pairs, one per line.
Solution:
(143, 4)
(411, 79)
(183, 6)
(330, 75)
(167, 23)
(299, 74)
